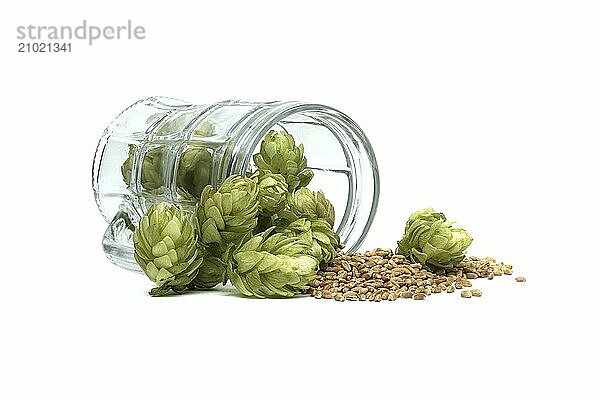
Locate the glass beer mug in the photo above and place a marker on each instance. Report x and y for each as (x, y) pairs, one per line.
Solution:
(160, 149)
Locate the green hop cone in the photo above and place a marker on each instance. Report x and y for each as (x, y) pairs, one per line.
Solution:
(195, 167)
(166, 248)
(323, 241)
(152, 178)
(280, 155)
(211, 272)
(194, 172)
(272, 192)
(271, 266)
(305, 203)
(431, 240)
(226, 215)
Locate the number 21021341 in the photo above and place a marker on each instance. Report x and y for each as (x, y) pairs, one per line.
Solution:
(44, 47)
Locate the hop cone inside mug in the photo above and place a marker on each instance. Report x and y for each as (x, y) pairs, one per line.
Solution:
(272, 192)
(226, 215)
(280, 155)
(305, 203)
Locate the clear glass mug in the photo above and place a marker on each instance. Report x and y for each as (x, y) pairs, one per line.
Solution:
(161, 149)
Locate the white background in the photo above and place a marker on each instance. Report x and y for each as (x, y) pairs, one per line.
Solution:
(485, 110)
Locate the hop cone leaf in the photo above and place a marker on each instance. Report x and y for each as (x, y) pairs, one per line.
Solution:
(211, 272)
(166, 248)
(323, 241)
(226, 215)
(305, 203)
(272, 192)
(271, 266)
(280, 155)
(431, 240)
